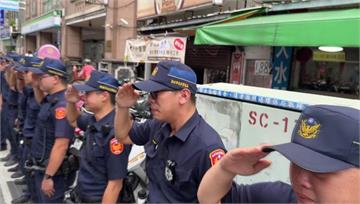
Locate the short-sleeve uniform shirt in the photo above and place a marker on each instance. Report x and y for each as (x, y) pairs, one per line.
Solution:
(103, 158)
(176, 164)
(51, 124)
(265, 192)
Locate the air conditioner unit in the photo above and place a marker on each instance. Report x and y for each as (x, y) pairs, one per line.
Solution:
(218, 2)
(125, 74)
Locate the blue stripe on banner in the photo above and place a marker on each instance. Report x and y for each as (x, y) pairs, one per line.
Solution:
(254, 98)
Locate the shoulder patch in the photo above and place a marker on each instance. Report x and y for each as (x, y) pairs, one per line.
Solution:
(116, 147)
(60, 113)
(216, 155)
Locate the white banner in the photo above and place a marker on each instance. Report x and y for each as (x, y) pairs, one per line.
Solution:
(155, 50)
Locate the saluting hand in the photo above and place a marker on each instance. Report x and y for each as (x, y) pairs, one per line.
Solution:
(72, 95)
(47, 187)
(245, 161)
(35, 80)
(126, 96)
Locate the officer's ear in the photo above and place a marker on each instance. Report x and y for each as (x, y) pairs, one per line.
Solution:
(184, 96)
(106, 95)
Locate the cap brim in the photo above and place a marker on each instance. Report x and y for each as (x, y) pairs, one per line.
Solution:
(84, 87)
(309, 159)
(150, 86)
(20, 68)
(35, 70)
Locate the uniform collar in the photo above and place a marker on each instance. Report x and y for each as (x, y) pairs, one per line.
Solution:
(185, 130)
(108, 119)
(53, 98)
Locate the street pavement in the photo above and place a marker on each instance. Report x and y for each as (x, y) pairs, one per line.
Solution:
(9, 190)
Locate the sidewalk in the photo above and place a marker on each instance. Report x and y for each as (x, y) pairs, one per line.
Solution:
(9, 190)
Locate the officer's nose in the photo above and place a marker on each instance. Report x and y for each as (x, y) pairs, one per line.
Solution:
(300, 177)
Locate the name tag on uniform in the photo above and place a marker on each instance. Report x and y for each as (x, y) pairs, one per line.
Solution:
(77, 144)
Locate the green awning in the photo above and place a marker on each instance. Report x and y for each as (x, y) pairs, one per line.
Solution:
(236, 16)
(326, 28)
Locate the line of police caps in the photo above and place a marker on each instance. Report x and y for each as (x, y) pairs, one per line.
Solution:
(170, 182)
(176, 179)
(95, 170)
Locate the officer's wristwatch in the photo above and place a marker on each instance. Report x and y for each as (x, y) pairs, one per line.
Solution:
(47, 176)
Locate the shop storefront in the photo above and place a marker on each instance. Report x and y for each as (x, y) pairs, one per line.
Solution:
(292, 59)
(335, 74)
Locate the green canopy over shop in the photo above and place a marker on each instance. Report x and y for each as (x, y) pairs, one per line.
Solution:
(325, 28)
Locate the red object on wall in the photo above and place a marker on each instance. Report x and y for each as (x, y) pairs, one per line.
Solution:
(237, 65)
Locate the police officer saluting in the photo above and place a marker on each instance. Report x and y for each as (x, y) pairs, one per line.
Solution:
(180, 146)
(103, 160)
(30, 117)
(53, 133)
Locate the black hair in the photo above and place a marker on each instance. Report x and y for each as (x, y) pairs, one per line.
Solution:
(193, 98)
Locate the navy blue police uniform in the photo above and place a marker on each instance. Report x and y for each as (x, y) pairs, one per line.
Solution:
(51, 124)
(31, 111)
(264, 192)
(5, 128)
(175, 164)
(21, 104)
(102, 158)
(12, 114)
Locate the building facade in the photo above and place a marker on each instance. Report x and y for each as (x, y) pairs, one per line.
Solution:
(42, 24)
(97, 29)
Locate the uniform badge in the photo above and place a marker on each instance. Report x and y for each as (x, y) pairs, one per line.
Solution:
(170, 171)
(309, 128)
(116, 147)
(60, 113)
(216, 155)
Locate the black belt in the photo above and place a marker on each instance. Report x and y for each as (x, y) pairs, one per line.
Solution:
(78, 198)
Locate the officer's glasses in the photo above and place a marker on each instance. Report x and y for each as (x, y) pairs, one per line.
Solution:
(154, 95)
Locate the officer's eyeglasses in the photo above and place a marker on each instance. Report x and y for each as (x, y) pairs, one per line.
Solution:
(154, 95)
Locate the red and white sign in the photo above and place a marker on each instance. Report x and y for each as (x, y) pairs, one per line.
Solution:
(179, 44)
(155, 50)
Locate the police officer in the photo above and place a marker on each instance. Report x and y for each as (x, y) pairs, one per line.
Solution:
(11, 108)
(103, 160)
(16, 81)
(324, 163)
(30, 115)
(4, 98)
(180, 146)
(53, 133)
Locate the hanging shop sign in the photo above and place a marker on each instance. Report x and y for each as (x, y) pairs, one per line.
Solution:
(281, 67)
(329, 56)
(155, 50)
